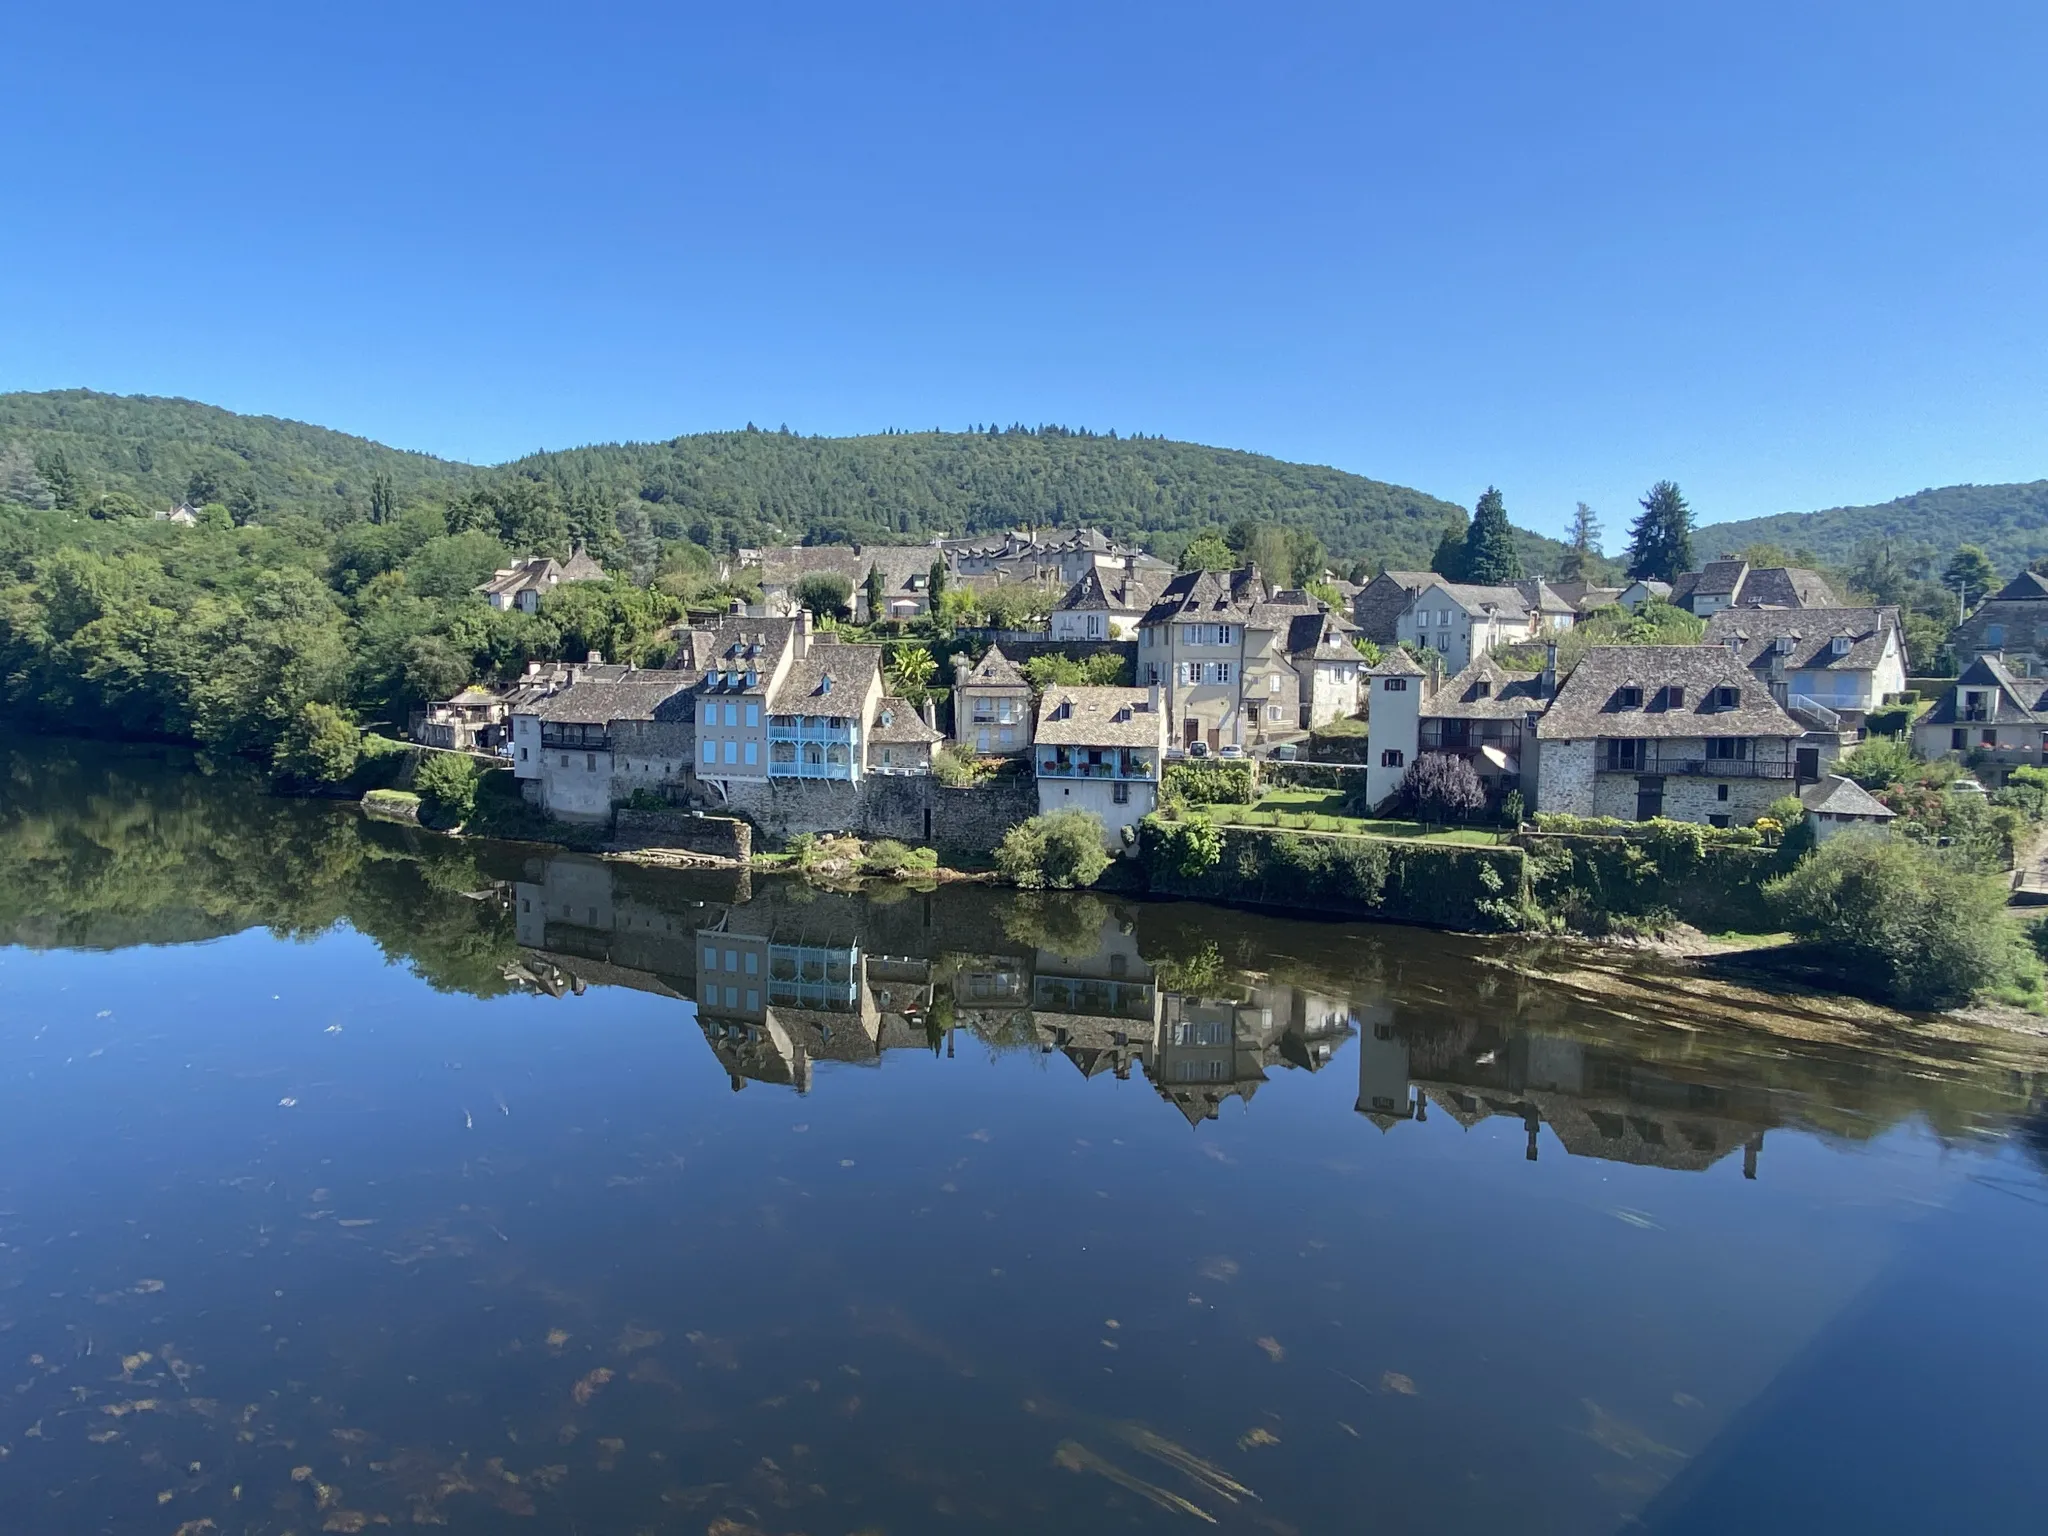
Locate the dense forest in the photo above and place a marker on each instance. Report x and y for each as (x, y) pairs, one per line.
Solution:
(2008, 522)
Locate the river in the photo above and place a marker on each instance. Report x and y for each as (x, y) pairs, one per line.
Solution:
(351, 1176)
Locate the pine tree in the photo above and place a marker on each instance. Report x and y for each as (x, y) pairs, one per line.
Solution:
(877, 607)
(1582, 545)
(1449, 559)
(1491, 559)
(1660, 541)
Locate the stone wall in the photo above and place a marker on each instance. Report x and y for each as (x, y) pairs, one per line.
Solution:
(1566, 784)
(1688, 797)
(722, 837)
(913, 808)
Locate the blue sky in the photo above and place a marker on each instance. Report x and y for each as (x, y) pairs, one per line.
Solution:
(1791, 255)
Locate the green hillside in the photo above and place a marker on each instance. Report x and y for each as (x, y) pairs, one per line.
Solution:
(162, 452)
(2009, 521)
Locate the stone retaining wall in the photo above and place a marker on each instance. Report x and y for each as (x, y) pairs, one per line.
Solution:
(722, 837)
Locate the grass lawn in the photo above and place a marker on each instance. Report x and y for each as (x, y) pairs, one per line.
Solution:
(1321, 810)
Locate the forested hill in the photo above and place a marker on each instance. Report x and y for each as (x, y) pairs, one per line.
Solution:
(2009, 521)
(723, 489)
(162, 451)
(770, 487)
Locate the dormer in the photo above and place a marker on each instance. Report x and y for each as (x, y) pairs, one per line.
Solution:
(1784, 645)
(1483, 689)
(1727, 698)
(1629, 696)
(1671, 696)
(1841, 645)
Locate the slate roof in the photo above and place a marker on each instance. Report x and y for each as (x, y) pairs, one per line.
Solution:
(2022, 700)
(995, 670)
(1381, 602)
(580, 567)
(1588, 703)
(1755, 632)
(1321, 634)
(850, 669)
(1120, 592)
(1771, 586)
(657, 695)
(906, 569)
(1099, 717)
(791, 563)
(2027, 587)
(899, 724)
(1486, 690)
(1504, 602)
(1395, 662)
(739, 643)
(1839, 796)
(1540, 596)
(1218, 597)
(519, 576)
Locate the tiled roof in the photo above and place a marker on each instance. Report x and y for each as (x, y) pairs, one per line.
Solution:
(1381, 601)
(1209, 597)
(1785, 587)
(2022, 700)
(1395, 662)
(2028, 586)
(1120, 591)
(1506, 602)
(897, 723)
(1099, 717)
(580, 567)
(791, 563)
(831, 673)
(1755, 633)
(1720, 578)
(1541, 597)
(521, 576)
(657, 695)
(1843, 797)
(995, 670)
(1589, 703)
(1486, 690)
(905, 568)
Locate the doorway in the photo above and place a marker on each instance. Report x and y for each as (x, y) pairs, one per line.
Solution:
(1649, 799)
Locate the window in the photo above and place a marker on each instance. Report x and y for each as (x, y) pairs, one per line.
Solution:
(1273, 713)
(1391, 758)
(1443, 642)
(522, 754)
(1717, 821)
(1727, 698)
(1482, 689)
(1628, 698)
(1006, 736)
(1994, 635)
(710, 959)
(1720, 791)
(1394, 685)
(1222, 671)
(981, 741)
(1840, 645)
(1120, 793)
(1006, 710)
(1959, 738)
(753, 963)
(1671, 696)
(753, 753)
(1989, 738)
(732, 714)
(1728, 748)
(753, 998)
(565, 759)
(732, 959)
(732, 751)
(1273, 683)
(1626, 754)
(710, 751)
(732, 997)
(590, 762)
(753, 714)
(710, 713)
(1422, 619)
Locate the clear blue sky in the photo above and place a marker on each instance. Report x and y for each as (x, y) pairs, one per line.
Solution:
(1791, 255)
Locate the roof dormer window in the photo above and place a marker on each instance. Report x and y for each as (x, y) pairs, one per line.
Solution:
(1841, 645)
(1727, 698)
(1482, 689)
(1629, 697)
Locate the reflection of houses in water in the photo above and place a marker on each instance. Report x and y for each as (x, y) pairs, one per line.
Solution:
(1099, 1010)
(794, 979)
(1597, 1100)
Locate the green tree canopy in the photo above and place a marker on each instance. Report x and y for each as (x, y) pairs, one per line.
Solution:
(1491, 558)
(1660, 540)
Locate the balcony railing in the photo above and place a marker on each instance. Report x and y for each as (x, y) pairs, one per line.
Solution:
(1696, 764)
(1127, 768)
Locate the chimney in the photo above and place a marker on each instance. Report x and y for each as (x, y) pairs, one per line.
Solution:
(596, 659)
(533, 669)
(1549, 682)
(1152, 698)
(737, 608)
(930, 712)
(961, 667)
(803, 633)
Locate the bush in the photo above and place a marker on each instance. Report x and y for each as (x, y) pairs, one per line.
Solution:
(1190, 848)
(1212, 783)
(320, 745)
(446, 782)
(1925, 931)
(1062, 849)
(1879, 763)
(1891, 720)
(1441, 787)
(1105, 669)
(825, 593)
(886, 856)
(956, 767)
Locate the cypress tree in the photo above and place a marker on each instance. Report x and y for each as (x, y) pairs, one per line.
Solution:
(1449, 559)
(1490, 555)
(1660, 541)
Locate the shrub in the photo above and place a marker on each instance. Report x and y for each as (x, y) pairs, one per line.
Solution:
(320, 745)
(1441, 787)
(1891, 720)
(1879, 763)
(825, 593)
(1190, 848)
(1924, 930)
(1062, 849)
(446, 782)
(956, 767)
(886, 856)
(1210, 783)
(1105, 669)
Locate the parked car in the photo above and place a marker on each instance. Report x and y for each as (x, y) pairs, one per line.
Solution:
(1198, 749)
(1286, 752)
(1230, 751)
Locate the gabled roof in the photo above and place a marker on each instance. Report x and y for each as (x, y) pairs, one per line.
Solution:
(898, 723)
(1119, 591)
(905, 568)
(1589, 703)
(1541, 597)
(1754, 634)
(1486, 690)
(1099, 717)
(995, 670)
(1503, 602)
(1321, 635)
(1395, 662)
(2022, 700)
(1839, 796)
(1788, 586)
(521, 575)
(789, 564)
(831, 679)
(2027, 587)
(1719, 578)
(657, 695)
(580, 567)
(1209, 597)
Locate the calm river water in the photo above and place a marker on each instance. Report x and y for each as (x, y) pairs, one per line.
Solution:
(350, 1177)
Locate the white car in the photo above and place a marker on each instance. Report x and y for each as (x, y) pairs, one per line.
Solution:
(1230, 751)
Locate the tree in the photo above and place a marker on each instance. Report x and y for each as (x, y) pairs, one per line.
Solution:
(1969, 573)
(320, 746)
(911, 670)
(1015, 605)
(1581, 546)
(117, 504)
(1878, 763)
(1906, 919)
(1491, 559)
(877, 605)
(1660, 541)
(20, 482)
(1062, 849)
(447, 782)
(825, 593)
(1207, 552)
(1440, 786)
(57, 474)
(383, 498)
(1449, 559)
(935, 582)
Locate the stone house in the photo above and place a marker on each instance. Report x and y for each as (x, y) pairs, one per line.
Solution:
(1378, 607)
(474, 720)
(1100, 750)
(523, 698)
(1105, 604)
(599, 740)
(1461, 622)
(1847, 660)
(1301, 670)
(901, 740)
(1055, 558)
(522, 584)
(905, 570)
(1993, 717)
(1642, 590)
(1487, 715)
(1551, 612)
(2012, 622)
(991, 705)
(1723, 584)
(1680, 731)
(1836, 805)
